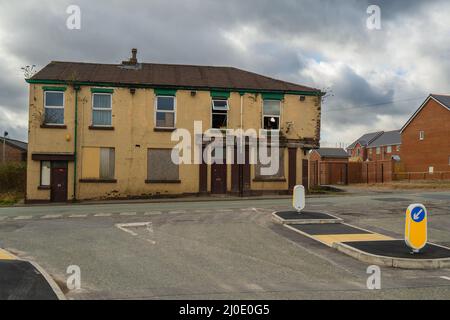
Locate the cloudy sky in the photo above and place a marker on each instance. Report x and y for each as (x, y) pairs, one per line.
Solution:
(376, 78)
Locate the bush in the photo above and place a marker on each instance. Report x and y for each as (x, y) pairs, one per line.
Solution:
(13, 177)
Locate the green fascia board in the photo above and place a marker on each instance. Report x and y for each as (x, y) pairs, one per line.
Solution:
(166, 92)
(101, 90)
(54, 89)
(273, 96)
(220, 94)
(241, 91)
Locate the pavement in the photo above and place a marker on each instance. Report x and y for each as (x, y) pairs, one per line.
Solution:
(225, 250)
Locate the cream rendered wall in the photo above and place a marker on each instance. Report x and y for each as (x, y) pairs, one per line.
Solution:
(133, 134)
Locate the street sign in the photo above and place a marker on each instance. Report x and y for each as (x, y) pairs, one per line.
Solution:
(299, 198)
(416, 227)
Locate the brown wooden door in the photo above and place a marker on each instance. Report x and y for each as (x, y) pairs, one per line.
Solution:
(292, 168)
(218, 178)
(305, 174)
(59, 182)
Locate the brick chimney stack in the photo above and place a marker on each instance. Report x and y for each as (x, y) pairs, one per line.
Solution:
(133, 60)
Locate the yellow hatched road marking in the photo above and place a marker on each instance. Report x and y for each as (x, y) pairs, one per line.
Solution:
(4, 255)
(329, 239)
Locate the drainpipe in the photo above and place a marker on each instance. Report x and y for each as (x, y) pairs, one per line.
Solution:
(75, 139)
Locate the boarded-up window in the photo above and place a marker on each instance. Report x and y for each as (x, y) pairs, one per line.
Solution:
(107, 160)
(45, 173)
(280, 172)
(160, 166)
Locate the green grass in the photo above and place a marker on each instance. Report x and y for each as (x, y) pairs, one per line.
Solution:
(10, 198)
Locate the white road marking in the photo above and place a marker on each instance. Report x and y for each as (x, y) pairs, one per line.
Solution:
(78, 216)
(103, 215)
(201, 211)
(52, 216)
(128, 213)
(2, 218)
(178, 211)
(152, 213)
(445, 278)
(125, 227)
(23, 218)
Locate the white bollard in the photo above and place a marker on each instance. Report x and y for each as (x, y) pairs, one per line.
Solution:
(298, 201)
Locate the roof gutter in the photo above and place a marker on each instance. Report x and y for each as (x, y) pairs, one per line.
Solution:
(140, 85)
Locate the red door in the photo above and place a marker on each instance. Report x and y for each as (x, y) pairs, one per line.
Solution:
(58, 182)
(218, 178)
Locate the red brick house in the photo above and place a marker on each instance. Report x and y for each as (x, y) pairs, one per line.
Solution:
(426, 138)
(385, 147)
(14, 150)
(358, 149)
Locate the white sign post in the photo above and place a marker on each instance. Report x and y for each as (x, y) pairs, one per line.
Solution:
(299, 198)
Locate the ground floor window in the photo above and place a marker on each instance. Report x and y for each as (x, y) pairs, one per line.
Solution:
(45, 173)
(107, 163)
(98, 163)
(278, 175)
(161, 167)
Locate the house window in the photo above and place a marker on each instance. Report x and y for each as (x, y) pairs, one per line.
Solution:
(370, 151)
(278, 175)
(45, 173)
(389, 149)
(165, 112)
(358, 152)
(102, 109)
(219, 114)
(271, 114)
(54, 108)
(398, 148)
(378, 150)
(160, 167)
(107, 163)
(421, 135)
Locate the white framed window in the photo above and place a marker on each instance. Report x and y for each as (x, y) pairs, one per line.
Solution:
(389, 149)
(54, 107)
(45, 173)
(370, 151)
(220, 109)
(107, 163)
(102, 109)
(378, 150)
(422, 135)
(271, 114)
(165, 112)
(398, 148)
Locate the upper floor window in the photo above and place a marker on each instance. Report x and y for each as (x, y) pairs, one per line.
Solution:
(102, 109)
(165, 112)
(54, 107)
(389, 149)
(378, 150)
(219, 113)
(358, 152)
(271, 114)
(422, 135)
(398, 148)
(370, 151)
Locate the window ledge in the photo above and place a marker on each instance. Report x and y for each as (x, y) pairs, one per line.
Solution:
(164, 129)
(101, 128)
(269, 180)
(98, 180)
(53, 126)
(44, 188)
(162, 181)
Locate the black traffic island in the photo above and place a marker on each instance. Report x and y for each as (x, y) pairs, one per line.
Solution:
(305, 217)
(395, 253)
(20, 280)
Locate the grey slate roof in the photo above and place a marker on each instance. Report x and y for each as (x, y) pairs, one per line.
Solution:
(15, 143)
(366, 139)
(332, 153)
(445, 100)
(388, 138)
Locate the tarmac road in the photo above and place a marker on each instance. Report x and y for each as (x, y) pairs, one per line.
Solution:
(187, 250)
